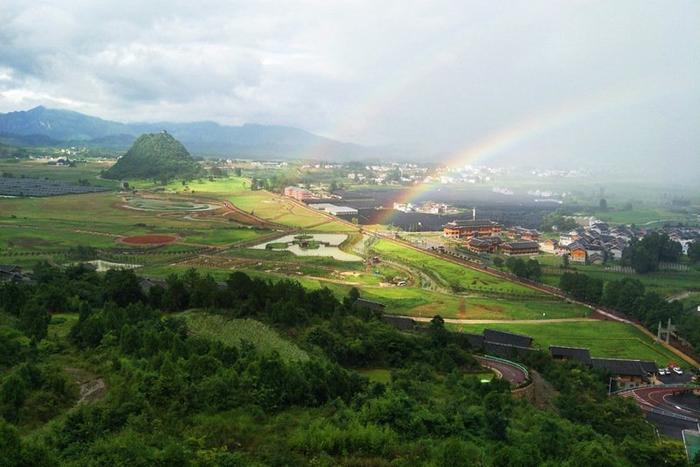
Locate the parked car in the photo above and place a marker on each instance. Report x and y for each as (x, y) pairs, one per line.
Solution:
(677, 370)
(663, 371)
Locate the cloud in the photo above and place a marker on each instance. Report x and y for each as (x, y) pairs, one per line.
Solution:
(439, 74)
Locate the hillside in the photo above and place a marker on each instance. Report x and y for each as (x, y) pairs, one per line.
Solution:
(154, 156)
(208, 138)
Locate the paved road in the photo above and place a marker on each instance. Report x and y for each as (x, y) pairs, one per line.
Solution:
(423, 319)
(671, 410)
(511, 373)
(662, 398)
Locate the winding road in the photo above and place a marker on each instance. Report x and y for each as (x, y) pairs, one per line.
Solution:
(509, 371)
(670, 409)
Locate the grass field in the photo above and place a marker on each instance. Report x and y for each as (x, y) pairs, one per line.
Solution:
(449, 274)
(41, 169)
(645, 216)
(234, 331)
(603, 338)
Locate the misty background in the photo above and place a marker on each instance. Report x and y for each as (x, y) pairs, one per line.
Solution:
(561, 84)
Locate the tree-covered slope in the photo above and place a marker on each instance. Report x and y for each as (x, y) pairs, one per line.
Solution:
(154, 155)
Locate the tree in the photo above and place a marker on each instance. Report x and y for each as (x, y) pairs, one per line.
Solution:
(694, 251)
(34, 320)
(438, 332)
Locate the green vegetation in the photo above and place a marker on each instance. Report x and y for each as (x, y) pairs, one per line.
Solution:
(156, 156)
(455, 276)
(234, 332)
(173, 395)
(603, 338)
(645, 255)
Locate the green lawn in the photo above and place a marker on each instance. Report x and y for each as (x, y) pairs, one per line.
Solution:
(448, 273)
(603, 338)
(233, 331)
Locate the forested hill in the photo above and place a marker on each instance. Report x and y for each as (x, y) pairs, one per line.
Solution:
(154, 156)
(175, 396)
(41, 125)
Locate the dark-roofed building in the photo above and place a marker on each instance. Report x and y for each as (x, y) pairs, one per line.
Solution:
(12, 273)
(484, 244)
(520, 248)
(505, 350)
(570, 353)
(629, 373)
(400, 322)
(476, 341)
(508, 338)
(370, 305)
(470, 228)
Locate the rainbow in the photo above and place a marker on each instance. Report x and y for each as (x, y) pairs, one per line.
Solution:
(535, 126)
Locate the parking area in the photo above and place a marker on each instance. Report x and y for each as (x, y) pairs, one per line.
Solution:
(674, 378)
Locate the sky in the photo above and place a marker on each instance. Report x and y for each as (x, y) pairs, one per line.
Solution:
(470, 80)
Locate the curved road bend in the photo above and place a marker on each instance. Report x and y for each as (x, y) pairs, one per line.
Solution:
(511, 373)
(658, 398)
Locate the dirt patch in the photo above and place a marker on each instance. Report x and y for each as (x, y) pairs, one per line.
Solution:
(92, 387)
(153, 239)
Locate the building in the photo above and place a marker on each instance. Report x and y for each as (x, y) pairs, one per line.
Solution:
(11, 273)
(369, 305)
(549, 246)
(508, 338)
(570, 353)
(334, 210)
(484, 244)
(520, 248)
(470, 228)
(297, 193)
(400, 322)
(577, 253)
(627, 373)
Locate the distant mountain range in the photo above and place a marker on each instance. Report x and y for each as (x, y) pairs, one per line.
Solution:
(41, 126)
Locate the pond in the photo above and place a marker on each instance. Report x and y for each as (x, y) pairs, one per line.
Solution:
(311, 245)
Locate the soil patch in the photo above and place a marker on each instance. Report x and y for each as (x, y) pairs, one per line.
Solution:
(153, 239)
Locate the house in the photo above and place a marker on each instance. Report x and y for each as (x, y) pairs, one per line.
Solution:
(549, 246)
(297, 193)
(570, 353)
(11, 273)
(596, 257)
(508, 338)
(470, 228)
(520, 248)
(577, 252)
(628, 373)
(484, 244)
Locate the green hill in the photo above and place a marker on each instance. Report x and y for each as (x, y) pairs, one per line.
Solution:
(155, 156)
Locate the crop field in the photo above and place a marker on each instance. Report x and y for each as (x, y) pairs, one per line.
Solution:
(603, 338)
(645, 216)
(235, 331)
(41, 169)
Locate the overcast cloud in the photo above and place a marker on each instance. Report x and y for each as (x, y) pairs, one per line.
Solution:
(622, 76)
